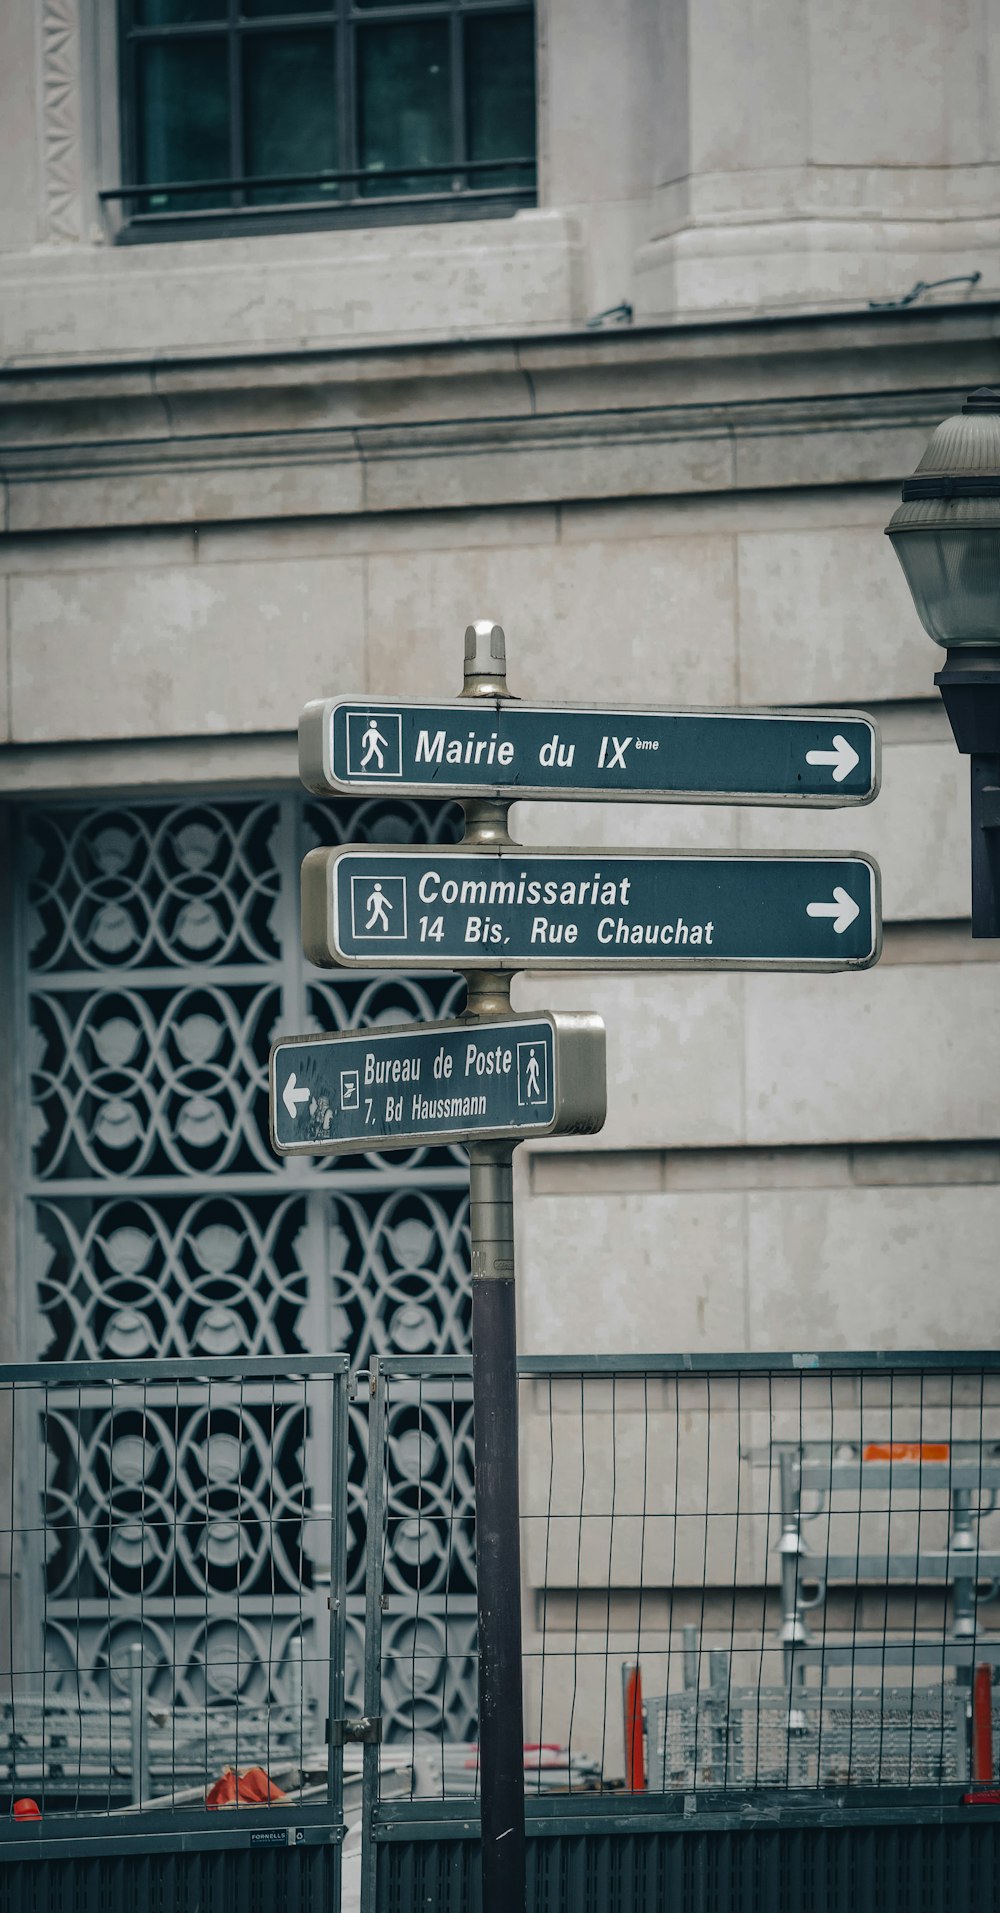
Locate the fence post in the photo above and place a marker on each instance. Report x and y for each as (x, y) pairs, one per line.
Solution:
(963, 1541)
(982, 1724)
(137, 1725)
(295, 1697)
(791, 1547)
(635, 1762)
(374, 1587)
(718, 1682)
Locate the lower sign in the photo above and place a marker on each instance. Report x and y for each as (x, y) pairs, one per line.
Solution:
(438, 1082)
(515, 909)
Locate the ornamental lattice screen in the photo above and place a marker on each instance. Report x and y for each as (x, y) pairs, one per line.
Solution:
(160, 955)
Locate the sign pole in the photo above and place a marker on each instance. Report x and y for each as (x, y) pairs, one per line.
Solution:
(494, 1398)
(498, 1551)
(488, 908)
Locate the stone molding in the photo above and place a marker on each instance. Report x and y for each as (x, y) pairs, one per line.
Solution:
(312, 289)
(657, 411)
(59, 28)
(807, 264)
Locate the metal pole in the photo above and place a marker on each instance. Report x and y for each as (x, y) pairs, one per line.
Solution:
(137, 1725)
(494, 1395)
(498, 1548)
(984, 773)
(718, 1683)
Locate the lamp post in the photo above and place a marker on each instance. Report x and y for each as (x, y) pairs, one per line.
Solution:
(946, 535)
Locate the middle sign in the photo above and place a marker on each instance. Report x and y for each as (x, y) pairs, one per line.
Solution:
(514, 909)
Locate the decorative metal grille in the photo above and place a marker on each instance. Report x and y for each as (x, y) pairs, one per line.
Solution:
(161, 955)
(183, 1519)
(428, 1586)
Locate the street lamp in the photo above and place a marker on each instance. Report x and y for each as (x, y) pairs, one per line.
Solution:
(946, 535)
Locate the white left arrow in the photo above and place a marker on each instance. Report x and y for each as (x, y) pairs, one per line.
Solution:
(843, 757)
(292, 1097)
(843, 910)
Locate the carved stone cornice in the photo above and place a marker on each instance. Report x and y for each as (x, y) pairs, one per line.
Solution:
(653, 411)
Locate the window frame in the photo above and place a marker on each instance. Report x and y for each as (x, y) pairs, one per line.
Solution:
(457, 197)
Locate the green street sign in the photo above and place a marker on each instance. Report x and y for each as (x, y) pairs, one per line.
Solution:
(493, 747)
(514, 909)
(501, 1079)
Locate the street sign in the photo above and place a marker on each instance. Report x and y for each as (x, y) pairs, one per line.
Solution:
(492, 747)
(488, 905)
(514, 909)
(506, 1078)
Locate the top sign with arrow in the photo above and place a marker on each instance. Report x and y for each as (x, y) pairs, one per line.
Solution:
(498, 747)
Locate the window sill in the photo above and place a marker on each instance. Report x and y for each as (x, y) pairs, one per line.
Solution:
(249, 221)
(330, 289)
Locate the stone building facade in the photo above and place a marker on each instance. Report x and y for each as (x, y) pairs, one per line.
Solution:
(280, 458)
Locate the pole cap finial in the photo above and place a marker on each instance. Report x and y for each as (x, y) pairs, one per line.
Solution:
(485, 649)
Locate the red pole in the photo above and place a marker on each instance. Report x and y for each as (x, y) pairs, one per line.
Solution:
(982, 1723)
(635, 1755)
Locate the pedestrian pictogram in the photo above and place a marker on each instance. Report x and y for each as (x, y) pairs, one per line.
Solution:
(378, 908)
(532, 1071)
(372, 744)
(378, 904)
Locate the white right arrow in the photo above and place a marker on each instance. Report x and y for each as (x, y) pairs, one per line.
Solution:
(843, 757)
(291, 1096)
(843, 910)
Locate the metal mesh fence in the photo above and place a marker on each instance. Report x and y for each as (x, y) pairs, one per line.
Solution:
(798, 1555)
(190, 1515)
(773, 1573)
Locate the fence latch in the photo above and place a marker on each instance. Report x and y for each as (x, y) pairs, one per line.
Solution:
(367, 1731)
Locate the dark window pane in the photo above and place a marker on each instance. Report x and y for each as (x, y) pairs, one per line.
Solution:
(500, 95)
(404, 105)
(183, 119)
(289, 111)
(172, 13)
(273, 9)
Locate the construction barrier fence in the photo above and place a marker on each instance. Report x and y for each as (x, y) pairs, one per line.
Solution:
(759, 1592)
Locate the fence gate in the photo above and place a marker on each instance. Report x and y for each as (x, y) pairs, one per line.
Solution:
(195, 1766)
(801, 1555)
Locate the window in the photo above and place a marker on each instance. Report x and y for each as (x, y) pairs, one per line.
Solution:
(264, 113)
